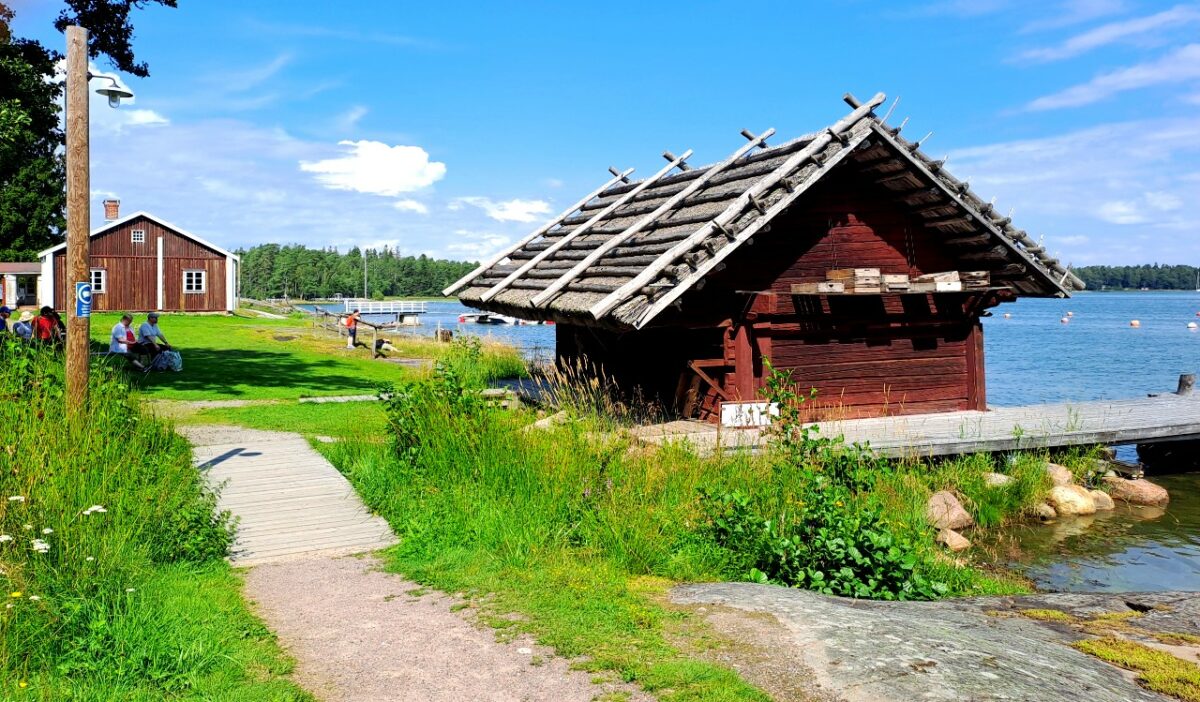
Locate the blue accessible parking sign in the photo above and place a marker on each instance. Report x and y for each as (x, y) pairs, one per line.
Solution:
(83, 299)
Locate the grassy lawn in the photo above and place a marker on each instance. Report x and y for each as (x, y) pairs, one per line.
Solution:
(254, 358)
(360, 421)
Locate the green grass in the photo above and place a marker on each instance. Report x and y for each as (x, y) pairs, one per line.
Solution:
(253, 358)
(131, 600)
(1156, 670)
(361, 421)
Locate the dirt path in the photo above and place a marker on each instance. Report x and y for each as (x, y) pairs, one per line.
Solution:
(362, 635)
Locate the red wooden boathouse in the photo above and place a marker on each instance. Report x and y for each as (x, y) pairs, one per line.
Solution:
(684, 283)
(141, 263)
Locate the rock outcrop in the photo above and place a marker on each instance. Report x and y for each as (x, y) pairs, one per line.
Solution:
(1044, 512)
(1071, 500)
(944, 511)
(1137, 492)
(996, 479)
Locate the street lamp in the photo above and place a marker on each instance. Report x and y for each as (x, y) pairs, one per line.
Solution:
(78, 268)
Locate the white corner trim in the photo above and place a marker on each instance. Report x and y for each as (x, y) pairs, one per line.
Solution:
(230, 284)
(159, 302)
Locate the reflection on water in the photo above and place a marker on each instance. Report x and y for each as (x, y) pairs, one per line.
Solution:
(1132, 549)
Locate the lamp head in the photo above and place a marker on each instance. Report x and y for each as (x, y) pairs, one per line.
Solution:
(114, 92)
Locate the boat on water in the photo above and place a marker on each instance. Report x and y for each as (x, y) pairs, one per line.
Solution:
(494, 318)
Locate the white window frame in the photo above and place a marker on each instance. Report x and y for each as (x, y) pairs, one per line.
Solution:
(137, 236)
(99, 284)
(203, 281)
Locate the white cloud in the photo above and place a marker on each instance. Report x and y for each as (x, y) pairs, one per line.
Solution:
(1076, 12)
(376, 168)
(411, 206)
(349, 119)
(1180, 65)
(1113, 183)
(506, 211)
(553, 183)
(1122, 30)
(1120, 212)
(477, 245)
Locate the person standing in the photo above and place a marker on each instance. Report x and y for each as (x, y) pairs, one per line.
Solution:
(150, 335)
(352, 329)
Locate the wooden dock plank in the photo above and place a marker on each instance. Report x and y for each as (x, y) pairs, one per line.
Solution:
(1143, 420)
(288, 500)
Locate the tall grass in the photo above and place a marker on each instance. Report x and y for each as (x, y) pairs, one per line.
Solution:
(576, 527)
(110, 554)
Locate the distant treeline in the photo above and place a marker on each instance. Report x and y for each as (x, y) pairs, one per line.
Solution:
(271, 270)
(1154, 277)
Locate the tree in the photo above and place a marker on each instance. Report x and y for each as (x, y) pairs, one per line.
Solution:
(32, 176)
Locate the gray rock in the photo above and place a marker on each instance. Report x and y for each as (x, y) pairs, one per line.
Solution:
(953, 540)
(996, 479)
(944, 511)
(1104, 503)
(1045, 512)
(1060, 475)
(941, 651)
(1071, 500)
(1137, 492)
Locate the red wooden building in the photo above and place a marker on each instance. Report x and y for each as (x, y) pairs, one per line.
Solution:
(684, 283)
(141, 263)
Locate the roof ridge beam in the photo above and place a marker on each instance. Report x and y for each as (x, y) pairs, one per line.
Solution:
(754, 141)
(498, 287)
(719, 224)
(617, 177)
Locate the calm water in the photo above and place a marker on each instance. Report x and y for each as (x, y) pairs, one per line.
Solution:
(1032, 357)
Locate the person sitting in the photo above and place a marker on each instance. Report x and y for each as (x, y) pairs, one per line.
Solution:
(122, 341)
(382, 345)
(23, 327)
(5, 313)
(45, 327)
(150, 336)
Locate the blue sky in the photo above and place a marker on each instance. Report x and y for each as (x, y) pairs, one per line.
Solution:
(454, 128)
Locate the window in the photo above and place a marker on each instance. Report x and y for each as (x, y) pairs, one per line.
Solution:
(138, 236)
(193, 281)
(99, 280)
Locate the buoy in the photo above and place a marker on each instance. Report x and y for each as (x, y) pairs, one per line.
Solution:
(462, 319)
(1008, 315)
(1065, 320)
(1193, 325)
(1134, 323)
(1070, 314)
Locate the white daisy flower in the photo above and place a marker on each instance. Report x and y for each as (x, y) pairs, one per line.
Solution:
(47, 530)
(89, 559)
(40, 546)
(5, 538)
(16, 498)
(34, 598)
(131, 589)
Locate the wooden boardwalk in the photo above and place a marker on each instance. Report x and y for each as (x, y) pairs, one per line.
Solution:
(289, 501)
(1168, 417)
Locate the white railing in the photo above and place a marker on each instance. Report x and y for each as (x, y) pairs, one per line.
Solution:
(384, 306)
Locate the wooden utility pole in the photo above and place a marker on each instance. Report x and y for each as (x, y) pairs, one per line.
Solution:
(78, 268)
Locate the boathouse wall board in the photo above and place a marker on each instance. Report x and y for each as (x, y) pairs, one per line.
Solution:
(133, 271)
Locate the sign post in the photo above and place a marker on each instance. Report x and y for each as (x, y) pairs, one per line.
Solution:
(78, 220)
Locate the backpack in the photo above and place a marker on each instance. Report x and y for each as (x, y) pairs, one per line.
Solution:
(167, 360)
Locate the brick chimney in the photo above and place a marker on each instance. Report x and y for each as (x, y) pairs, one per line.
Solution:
(112, 209)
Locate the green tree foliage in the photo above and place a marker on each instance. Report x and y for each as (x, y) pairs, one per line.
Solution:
(31, 167)
(32, 176)
(295, 271)
(1154, 277)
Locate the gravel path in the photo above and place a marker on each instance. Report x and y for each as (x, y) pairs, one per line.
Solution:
(361, 635)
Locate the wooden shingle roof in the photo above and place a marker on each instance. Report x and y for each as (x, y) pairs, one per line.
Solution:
(629, 250)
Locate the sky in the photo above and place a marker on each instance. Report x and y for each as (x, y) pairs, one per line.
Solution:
(452, 129)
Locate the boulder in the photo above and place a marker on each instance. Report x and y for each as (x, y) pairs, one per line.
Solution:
(1104, 503)
(944, 511)
(1059, 475)
(1044, 512)
(1071, 500)
(996, 479)
(953, 540)
(1137, 492)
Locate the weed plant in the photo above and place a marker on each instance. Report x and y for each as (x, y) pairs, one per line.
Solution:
(111, 553)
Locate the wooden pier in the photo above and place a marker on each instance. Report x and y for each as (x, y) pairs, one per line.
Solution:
(397, 307)
(1170, 417)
